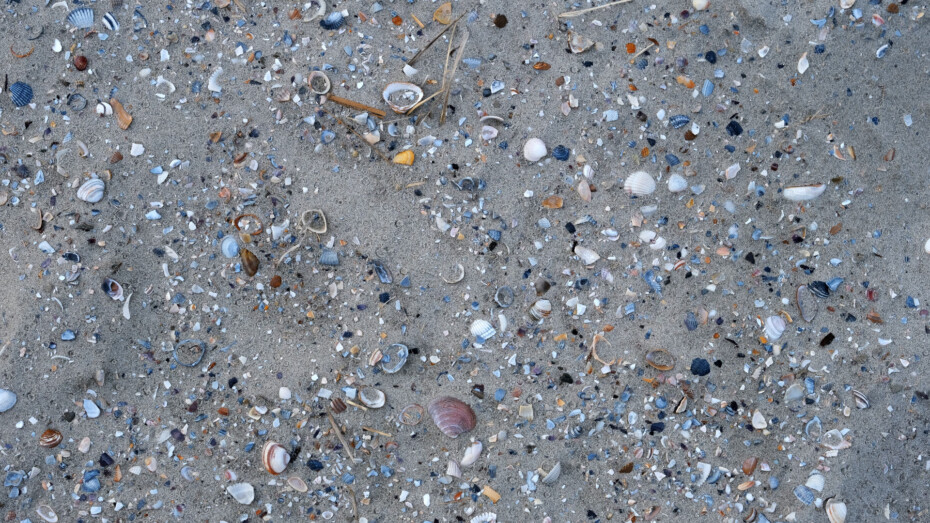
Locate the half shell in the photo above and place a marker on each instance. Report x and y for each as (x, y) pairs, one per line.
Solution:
(677, 183)
(541, 309)
(371, 397)
(81, 18)
(452, 416)
(20, 94)
(402, 96)
(553, 474)
(807, 305)
(244, 493)
(50, 439)
(472, 453)
(112, 288)
(800, 193)
(275, 457)
(483, 330)
(836, 512)
(394, 358)
(110, 22)
(91, 191)
(534, 150)
(587, 256)
(639, 183)
(774, 327)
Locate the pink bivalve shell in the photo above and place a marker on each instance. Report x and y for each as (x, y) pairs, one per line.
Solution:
(275, 457)
(452, 416)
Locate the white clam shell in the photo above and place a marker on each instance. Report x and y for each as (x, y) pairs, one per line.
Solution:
(815, 482)
(297, 484)
(534, 150)
(774, 327)
(836, 512)
(800, 193)
(700, 5)
(213, 83)
(372, 397)
(91, 191)
(485, 517)
(541, 309)
(402, 96)
(677, 183)
(7, 400)
(758, 420)
(244, 493)
(472, 453)
(482, 329)
(275, 457)
(639, 183)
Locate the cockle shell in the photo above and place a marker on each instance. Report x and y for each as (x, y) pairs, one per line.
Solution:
(81, 18)
(836, 512)
(50, 439)
(91, 191)
(244, 493)
(452, 416)
(774, 327)
(800, 193)
(7, 400)
(472, 453)
(677, 183)
(482, 329)
(20, 94)
(402, 96)
(534, 150)
(371, 397)
(639, 183)
(275, 457)
(541, 309)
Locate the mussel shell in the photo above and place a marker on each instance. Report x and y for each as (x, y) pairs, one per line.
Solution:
(81, 18)
(50, 439)
(452, 416)
(250, 262)
(504, 296)
(394, 358)
(819, 289)
(660, 359)
(274, 457)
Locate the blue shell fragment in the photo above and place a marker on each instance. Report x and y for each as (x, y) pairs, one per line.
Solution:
(804, 494)
(678, 121)
(691, 321)
(332, 21)
(707, 89)
(110, 21)
(329, 257)
(81, 18)
(21, 94)
(561, 153)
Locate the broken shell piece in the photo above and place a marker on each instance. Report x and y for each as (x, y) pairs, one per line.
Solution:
(459, 275)
(807, 305)
(123, 119)
(371, 397)
(453, 469)
(313, 9)
(409, 70)
(47, 514)
(314, 221)
(394, 358)
(488, 133)
(402, 96)
(243, 493)
(319, 82)
(833, 439)
(801, 193)
(803, 64)
(297, 484)
(677, 183)
(553, 474)
(113, 289)
(104, 109)
(587, 256)
(213, 83)
(579, 43)
(660, 359)
(472, 453)
(862, 401)
(405, 157)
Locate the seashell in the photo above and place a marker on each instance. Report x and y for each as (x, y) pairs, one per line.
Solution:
(110, 22)
(833, 439)
(800, 193)
(553, 475)
(77, 102)
(7, 400)
(329, 258)
(774, 327)
(819, 289)
(297, 484)
(654, 241)
(758, 420)
(21, 94)
(213, 83)
(275, 457)
(116, 157)
(803, 64)
(639, 183)
(104, 109)
(485, 517)
(541, 309)
(472, 453)
(81, 18)
(410, 71)
(229, 247)
(452, 416)
(404, 157)
(411, 414)
(453, 469)
(504, 296)
(91, 191)
(542, 286)
(384, 275)
(488, 133)
(402, 96)
(314, 221)
(332, 21)
(588, 257)
(700, 5)
(795, 392)
(578, 43)
(243, 493)
(371, 397)
(691, 321)
(394, 358)
(483, 330)
(862, 401)
(660, 359)
(460, 275)
(189, 352)
(80, 62)
(807, 306)
(319, 83)
(677, 183)
(50, 439)
(804, 494)
(815, 481)
(534, 150)
(836, 510)
(250, 262)
(112, 288)
(123, 118)
(338, 406)
(678, 121)
(47, 514)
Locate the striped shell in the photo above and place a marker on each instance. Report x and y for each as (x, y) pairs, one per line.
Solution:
(774, 327)
(20, 94)
(483, 330)
(804, 494)
(678, 121)
(275, 457)
(91, 191)
(541, 309)
(691, 321)
(110, 21)
(639, 183)
(677, 183)
(819, 288)
(81, 18)
(452, 416)
(329, 257)
(50, 439)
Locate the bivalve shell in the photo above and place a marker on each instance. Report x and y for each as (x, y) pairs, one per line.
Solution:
(394, 358)
(587, 256)
(21, 94)
(243, 493)
(819, 289)
(804, 494)
(483, 330)
(230, 247)
(47, 514)
(862, 401)
(677, 183)
(371, 397)
(329, 258)
(91, 191)
(807, 305)
(541, 309)
(534, 150)
(639, 183)
(7, 400)
(472, 453)
(504, 296)
(402, 96)
(774, 327)
(81, 18)
(553, 475)
(800, 193)
(319, 82)
(297, 484)
(275, 457)
(50, 439)
(452, 416)
(453, 469)
(110, 22)
(815, 481)
(836, 512)
(112, 288)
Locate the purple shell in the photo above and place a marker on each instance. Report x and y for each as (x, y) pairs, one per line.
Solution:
(452, 416)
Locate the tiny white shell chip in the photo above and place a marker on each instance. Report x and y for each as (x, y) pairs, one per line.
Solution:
(137, 149)
(700, 5)
(639, 183)
(677, 183)
(244, 493)
(587, 255)
(534, 150)
(803, 64)
(927, 246)
(472, 453)
(801, 193)
(758, 420)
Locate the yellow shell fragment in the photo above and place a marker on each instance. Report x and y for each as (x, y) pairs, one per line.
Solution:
(404, 157)
(443, 15)
(491, 494)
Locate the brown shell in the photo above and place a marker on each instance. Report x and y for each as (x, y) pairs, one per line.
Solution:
(660, 359)
(249, 262)
(338, 406)
(50, 439)
(452, 416)
(116, 157)
(123, 119)
(80, 62)
(749, 465)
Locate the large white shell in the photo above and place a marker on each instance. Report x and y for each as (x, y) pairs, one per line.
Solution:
(372, 397)
(801, 193)
(587, 255)
(836, 512)
(677, 183)
(7, 400)
(485, 517)
(275, 457)
(482, 329)
(534, 150)
(91, 191)
(774, 327)
(244, 493)
(639, 183)
(402, 96)
(472, 453)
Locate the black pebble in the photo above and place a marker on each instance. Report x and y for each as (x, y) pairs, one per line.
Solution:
(711, 57)
(700, 367)
(734, 128)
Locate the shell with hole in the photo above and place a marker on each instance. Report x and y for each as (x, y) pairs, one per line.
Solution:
(318, 82)
(483, 330)
(275, 457)
(639, 183)
(402, 96)
(371, 397)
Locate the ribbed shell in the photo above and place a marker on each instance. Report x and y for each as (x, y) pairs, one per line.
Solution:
(774, 327)
(691, 321)
(21, 94)
(452, 416)
(482, 329)
(677, 183)
(91, 191)
(678, 121)
(819, 289)
(110, 21)
(639, 183)
(329, 257)
(332, 21)
(82, 18)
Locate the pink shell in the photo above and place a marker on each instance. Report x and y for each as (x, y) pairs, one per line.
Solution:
(452, 416)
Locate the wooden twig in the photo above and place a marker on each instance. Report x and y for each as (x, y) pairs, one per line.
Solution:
(431, 42)
(376, 431)
(455, 66)
(423, 101)
(354, 504)
(342, 439)
(573, 14)
(355, 105)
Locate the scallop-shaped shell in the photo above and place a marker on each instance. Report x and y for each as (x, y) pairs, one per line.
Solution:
(639, 183)
(319, 82)
(553, 475)
(7, 400)
(678, 121)
(677, 183)
(371, 397)
(815, 481)
(50, 439)
(394, 358)
(819, 289)
(112, 288)
(21, 94)
(47, 514)
(807, 305)
(691, 321)
(534, 150)
(453, 469)
(774, 327)
(485, 517)
(91, 191)
(472, 453)
(483, 330)
(244, 493)
(332, 21)
(804, 494)
(230, 247)
(836, 512)
(275, 457)
(541, 309)
(329, 258)
(213, 83)
(452, 416)
(800, 193)
(587, 256)
(81, 18)
(110, 22)
(504, 296)
(402, 96)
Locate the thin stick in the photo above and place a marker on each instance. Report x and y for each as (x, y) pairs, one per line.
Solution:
(573, 14)
(355, 105)
(455, 66)
(445, 67)
(359, 405)
(369, 429)
(641, 51)
(431, 42)
(423, 101)
(342, 439)
(354, 504)
(281, 258)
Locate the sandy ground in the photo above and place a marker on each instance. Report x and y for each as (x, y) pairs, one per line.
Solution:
(775, 422)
